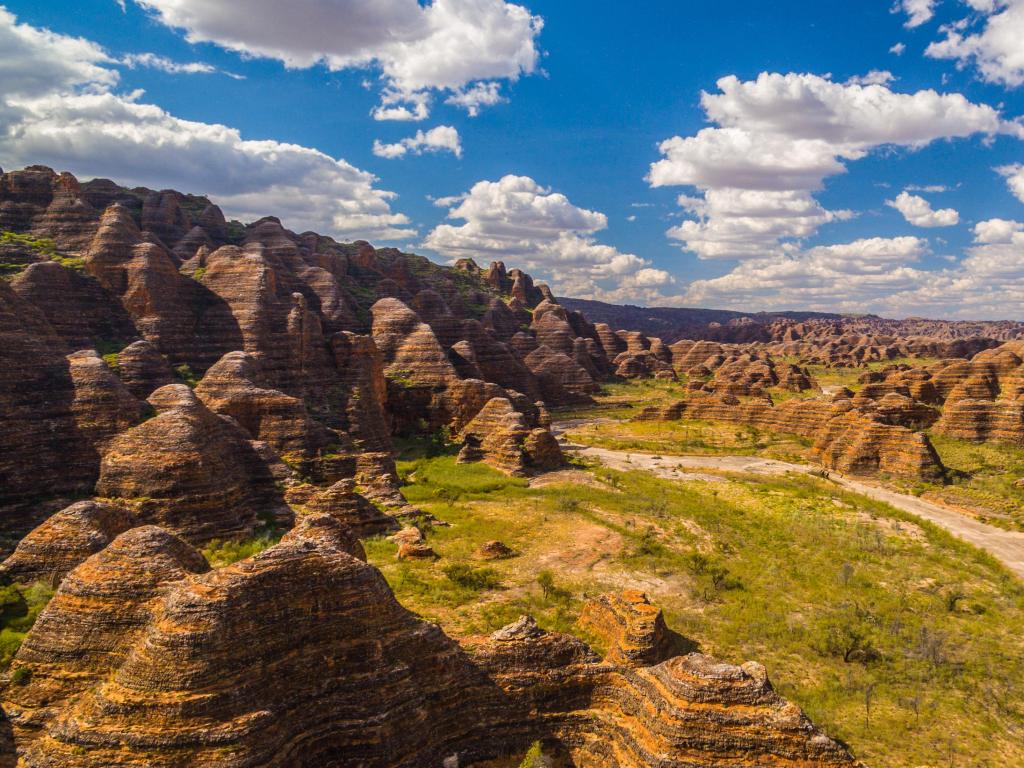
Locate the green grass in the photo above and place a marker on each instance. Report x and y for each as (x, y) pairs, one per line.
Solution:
(42, 246)
(185, 375)
(443, 478)
(220, 553)
(692, 436)
(20, 606)
(984, 479)
(843, 599)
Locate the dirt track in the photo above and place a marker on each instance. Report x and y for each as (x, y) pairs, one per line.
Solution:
(1006, 546)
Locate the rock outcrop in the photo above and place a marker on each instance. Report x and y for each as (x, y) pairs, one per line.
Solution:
(342, 503)
(189, 470)
(847, 439)
(66, 539)
(633, 630)
(300, 656)
(500, 436)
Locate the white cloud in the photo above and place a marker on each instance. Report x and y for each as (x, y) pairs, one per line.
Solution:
(834, 278)
(778, 138)
(919, 212)
(999, 254)
(874, 77)
(930, 188)
(918, 11)
(396, 105)
(443, 138)
(442, 45)
(58, 107)
(162, 63)
(479, 95)
(36, 61)
(898, 49)
(996, 51)
(518, 220)
(996, 231)
(1014, 179)
(879, 275)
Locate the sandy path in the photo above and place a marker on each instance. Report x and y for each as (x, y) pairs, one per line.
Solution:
(1006, 546)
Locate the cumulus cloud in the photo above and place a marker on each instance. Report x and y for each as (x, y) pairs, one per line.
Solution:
(998, 255)
(517, 219)
(1014, 179)
(464, 47)
(162, 63)
(777, 139)
(443, 138)
(475, 98)
(996, 230)
(919, 212)
(880, 275)
(37, 61)
(834, 277)
(918, 11)
(59, 107)
(874, 77)
(995, 50)
(898, 49)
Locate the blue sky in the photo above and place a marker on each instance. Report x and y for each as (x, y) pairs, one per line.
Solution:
(558, 171)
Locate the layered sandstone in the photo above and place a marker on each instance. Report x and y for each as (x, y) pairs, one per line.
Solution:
(500, 436)
(189, 470)
(50, 551)
(300, 656)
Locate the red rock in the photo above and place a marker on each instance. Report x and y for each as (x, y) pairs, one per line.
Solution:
(66, 539)
(189, 470)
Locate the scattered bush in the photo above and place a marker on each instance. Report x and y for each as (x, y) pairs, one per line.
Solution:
(21, 676)
(20, 605)
(477, 579)
(185, 375)
(535, 758)
(567, 504)
(220, 553)
(549, 589)
(847, 632)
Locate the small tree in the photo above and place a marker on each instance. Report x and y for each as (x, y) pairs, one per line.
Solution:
(535, 758)
(546, 581)
(848, 634)
(846, 573)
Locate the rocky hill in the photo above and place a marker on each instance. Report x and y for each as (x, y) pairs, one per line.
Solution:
(169, 379)
(673, 324)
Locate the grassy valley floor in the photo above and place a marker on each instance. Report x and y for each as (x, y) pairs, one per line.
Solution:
(894, 636)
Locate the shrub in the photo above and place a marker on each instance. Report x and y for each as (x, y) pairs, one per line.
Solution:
(567, 504)
(477, 579)
(847, 633)
(535, 758)
(221, 553)
(21, 676)
(111, 360)
(550, 590)
(184, 373)
(20, 605)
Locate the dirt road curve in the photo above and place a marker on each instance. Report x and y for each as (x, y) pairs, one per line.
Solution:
(1006, 546)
